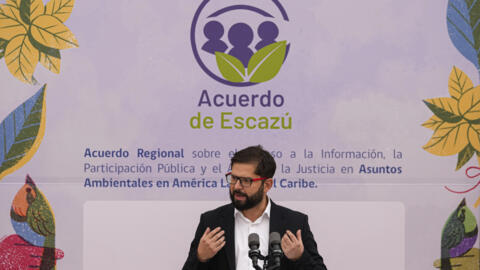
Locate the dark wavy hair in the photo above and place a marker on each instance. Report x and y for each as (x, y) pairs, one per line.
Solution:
(256, 155)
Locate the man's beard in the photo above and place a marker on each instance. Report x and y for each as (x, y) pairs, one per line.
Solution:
(250, 201)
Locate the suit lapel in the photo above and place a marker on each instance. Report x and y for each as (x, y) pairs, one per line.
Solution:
(228, 223)
(277, 223)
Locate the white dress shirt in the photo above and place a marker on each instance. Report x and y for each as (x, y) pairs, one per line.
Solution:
(244, 227)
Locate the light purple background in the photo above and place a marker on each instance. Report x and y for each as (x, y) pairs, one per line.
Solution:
(355, 78)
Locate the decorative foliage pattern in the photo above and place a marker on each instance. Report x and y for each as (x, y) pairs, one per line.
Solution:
(456, 120)
(31, 32)
(21, 133)
(263, 66)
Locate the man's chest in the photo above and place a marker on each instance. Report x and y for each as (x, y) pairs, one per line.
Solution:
(242, 230)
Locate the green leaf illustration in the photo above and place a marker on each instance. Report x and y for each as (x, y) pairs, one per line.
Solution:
(30, 9)
(231, 68)
(474, 122)
(464, 156)
(266, 63)
(3, 45)
(21, 133)
(47, 50)
(445, 108)
(49, 57)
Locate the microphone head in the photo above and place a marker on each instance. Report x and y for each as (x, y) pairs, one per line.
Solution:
(253, 241)
(274, 239)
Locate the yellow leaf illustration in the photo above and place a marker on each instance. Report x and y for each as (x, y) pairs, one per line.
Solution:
(10, 23)
(12, 12)
(433, 123)
(49, 62)
(458, 83)
(21, 58)
(474, 137)
(469, 104)
(448, 139)
(14, 3)
(60, 9)
(30, 9)
(51, 32)
(445, 107)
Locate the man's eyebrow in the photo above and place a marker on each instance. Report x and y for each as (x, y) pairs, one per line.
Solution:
(241, 176)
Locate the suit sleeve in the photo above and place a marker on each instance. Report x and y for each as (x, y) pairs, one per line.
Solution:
(310, 259)
(192, 262)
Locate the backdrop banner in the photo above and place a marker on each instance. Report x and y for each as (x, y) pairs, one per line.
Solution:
(118, 120)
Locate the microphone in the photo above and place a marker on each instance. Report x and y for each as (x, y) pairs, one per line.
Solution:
(275, 249)
(254, 252)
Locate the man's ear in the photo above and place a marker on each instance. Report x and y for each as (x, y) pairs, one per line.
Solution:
(268, 184)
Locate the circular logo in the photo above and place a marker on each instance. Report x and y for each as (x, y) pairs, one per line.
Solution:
(241, 44)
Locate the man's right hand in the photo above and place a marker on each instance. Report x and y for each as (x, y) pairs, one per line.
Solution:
(210, 243)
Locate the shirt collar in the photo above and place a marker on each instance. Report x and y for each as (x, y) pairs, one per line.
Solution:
(266, 212)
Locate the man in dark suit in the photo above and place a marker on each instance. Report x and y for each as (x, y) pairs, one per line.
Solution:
(220, 241)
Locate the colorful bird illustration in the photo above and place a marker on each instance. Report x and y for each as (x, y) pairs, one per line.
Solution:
(459, 234)
(33, 220)
(18, 254)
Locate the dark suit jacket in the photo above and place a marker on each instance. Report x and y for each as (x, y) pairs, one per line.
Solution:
(281, 219)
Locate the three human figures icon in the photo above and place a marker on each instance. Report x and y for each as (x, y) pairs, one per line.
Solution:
(240, 36)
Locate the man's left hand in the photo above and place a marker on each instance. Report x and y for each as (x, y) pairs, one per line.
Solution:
(292, 246)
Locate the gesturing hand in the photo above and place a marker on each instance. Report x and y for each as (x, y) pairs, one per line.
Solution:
(210, 243)
(292, 246)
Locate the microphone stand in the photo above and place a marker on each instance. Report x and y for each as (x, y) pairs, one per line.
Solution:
(266, 259)
(275, 257)
(255, 255)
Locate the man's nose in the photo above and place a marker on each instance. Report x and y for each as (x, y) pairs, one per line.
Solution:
(237, 185)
